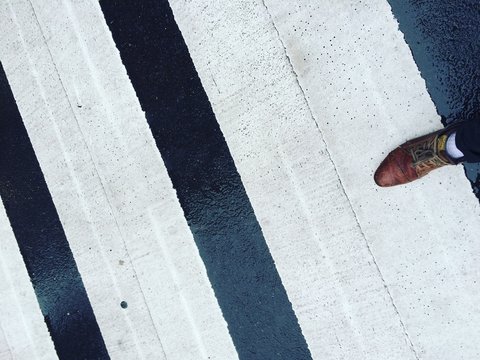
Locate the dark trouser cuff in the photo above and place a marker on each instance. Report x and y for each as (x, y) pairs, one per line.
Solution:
(468, 140)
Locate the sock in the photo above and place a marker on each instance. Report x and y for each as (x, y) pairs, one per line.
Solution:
(451, 147)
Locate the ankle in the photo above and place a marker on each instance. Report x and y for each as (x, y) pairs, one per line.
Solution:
(451, 148)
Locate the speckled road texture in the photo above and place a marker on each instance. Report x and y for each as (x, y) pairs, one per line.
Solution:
(301, 100)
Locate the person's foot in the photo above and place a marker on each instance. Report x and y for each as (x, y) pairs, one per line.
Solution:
(415, 159)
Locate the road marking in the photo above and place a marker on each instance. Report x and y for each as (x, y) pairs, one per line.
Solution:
(240, 268)
(41, 240)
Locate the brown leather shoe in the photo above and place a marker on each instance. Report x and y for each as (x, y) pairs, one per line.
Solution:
(415, 159)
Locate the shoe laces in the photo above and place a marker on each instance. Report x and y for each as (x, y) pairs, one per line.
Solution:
(426, 155)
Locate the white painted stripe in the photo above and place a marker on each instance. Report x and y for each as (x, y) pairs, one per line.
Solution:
(367, 96)
(364, 96)
(111, 189)
(23, 332)
(319, 249)
(37, 91)
(5, 351)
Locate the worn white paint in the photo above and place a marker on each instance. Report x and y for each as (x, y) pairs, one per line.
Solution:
(310, 97)
(117, 205)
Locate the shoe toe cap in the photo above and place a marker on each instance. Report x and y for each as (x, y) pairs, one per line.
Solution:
(394, 170)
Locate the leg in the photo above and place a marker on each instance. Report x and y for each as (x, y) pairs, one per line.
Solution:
(468, 140)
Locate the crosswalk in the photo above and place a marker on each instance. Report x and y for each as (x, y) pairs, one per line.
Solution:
(211, 166)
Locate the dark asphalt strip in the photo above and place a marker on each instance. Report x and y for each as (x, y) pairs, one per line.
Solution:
(444, 37)
(241, 270)
(42, 242)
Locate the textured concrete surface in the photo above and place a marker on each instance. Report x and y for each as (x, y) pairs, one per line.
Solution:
(352, 83)
(309, 97)
(238, 262)
(376, 101)
(126, 229)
